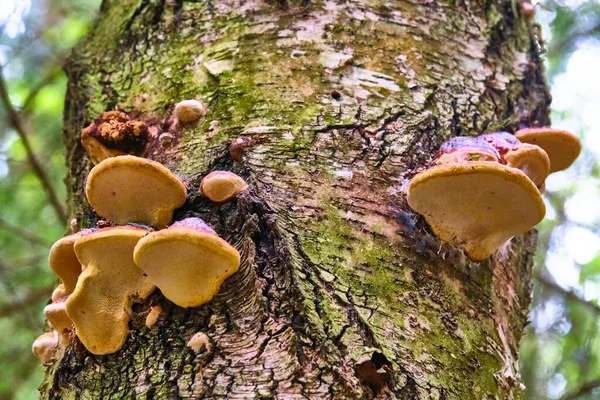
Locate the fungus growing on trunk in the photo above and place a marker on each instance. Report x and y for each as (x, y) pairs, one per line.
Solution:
(562, 147)
(64, 262)
(189, 111)
(220, 186)
(114, 134)
(100, 306)
(59, 292)
(133, 189)
(56, 314)
(529, 158)
(188, 262)
(466, 149)
(45, 346)
(477, 206)
(153, 315)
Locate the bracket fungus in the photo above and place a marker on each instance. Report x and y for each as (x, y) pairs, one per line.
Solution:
(45, 346)
(189, 111)
(114, 134)
(100, 306)
(476, 205)
(56, 314)
(529, 158)
(465, 149)
(64, 262)
(188, 262)
(220, 186)
(133, 189)
(59, 292)
(562, 147)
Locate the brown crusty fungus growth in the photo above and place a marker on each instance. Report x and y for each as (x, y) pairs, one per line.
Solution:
(114, 134)
(189, 111)
(188, 262)
(466, 149)
(45, 346)
(100, 306)
(64, 262)
(133, 189)
(220, 186)
(477, 206)
(562, 147)
(529, 158)
(56, 314)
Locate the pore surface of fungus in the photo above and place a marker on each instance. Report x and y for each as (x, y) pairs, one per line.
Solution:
(45, 346)
(133, 189)
(529, 158)
(220, 186)
(477, 206)
(100, 306)
(188, 262)
(114, 134)
(189, 110)
(466, 149)
(562, 147)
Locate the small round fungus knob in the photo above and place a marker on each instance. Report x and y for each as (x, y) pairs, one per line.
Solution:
(189, 111)
(220, 186)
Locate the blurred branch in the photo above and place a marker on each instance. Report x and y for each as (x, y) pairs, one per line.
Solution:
(31, 297)
(46, 80)
(569, 294)
(22, 233)
(584, 389)
(15, 122)
(16, 298)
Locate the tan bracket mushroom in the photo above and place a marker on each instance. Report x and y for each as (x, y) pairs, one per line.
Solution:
(56, 314)
(100, 306)
(64, 262)
(188, 262)
(220, 186)
(45, 346)
(562, 147)
(132, 189)
(478, 206)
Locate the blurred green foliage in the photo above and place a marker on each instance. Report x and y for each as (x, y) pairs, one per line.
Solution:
(560, 355)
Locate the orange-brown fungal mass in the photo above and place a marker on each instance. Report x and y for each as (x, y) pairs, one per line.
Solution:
(114, 134)
(132, 189)
(220, 186)
(562, 147)
(477, 206)
(188, 262)
(100, 306)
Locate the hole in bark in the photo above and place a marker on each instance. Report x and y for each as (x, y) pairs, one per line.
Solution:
(336, 95)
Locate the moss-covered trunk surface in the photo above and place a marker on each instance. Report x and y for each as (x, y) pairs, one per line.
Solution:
(343, 293)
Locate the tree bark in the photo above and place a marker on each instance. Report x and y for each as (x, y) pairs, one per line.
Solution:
(343, 292)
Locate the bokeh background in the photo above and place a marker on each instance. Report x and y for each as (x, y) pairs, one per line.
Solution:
(560, 354)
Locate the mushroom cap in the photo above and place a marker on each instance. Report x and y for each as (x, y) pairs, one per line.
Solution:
(466, 149)
(477, 206)
(189, 110)
(188, 262)
(59, 292)
(220, 186)
(44, 347)
(100, 306)
(133, 189)
(56, 314)
(529, 158)
(64, 262)
(562, 147)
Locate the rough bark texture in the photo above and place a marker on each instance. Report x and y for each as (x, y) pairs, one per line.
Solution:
(343, 292)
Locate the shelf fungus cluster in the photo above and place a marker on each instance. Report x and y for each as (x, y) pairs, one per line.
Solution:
(104, 271)
(479, 192)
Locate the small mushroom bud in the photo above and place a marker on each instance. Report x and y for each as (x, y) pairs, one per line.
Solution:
(153, 315)
(199, 341)
(466, 149)
(56, 314)
(527, 9)
(188, 262)
(166, 139)
(220, 186)
(530, 159)
(114, 134)
(189, 111)
(238, 147)
(45, 346)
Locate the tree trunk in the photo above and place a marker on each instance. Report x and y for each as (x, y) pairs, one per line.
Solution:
(343, 292)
